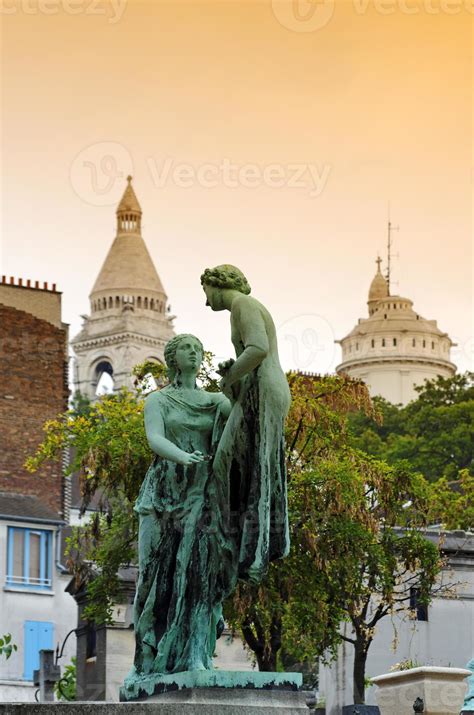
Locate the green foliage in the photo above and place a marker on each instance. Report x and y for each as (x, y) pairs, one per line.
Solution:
(6, 645)
(452, 503)
(80, 404)
(65, 688)
(434, 434)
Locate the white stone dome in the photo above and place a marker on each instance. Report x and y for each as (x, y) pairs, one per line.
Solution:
(395, 348)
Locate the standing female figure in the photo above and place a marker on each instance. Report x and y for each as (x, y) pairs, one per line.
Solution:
(186, 558)
(251, 452)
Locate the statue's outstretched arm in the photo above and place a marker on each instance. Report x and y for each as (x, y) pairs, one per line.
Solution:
(155, 433)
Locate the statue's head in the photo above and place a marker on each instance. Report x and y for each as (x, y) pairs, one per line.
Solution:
(183, 353)
(221, 278)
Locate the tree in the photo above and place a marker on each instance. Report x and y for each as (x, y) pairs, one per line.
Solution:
(434, 434)
(452, 503)
(347, 560)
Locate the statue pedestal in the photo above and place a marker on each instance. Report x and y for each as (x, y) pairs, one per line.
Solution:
(230, 701)
(216, 692)
(146, 686)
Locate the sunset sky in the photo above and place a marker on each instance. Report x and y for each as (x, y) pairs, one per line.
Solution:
(218, 109)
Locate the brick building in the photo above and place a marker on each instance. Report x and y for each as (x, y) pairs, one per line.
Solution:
(34, 508)
(33, 388)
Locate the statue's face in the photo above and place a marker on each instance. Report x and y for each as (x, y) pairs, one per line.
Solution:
(214, 297)
(188, 355)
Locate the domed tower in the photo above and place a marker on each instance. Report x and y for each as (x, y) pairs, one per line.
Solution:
(129, 319)
(394, 349)
(378, 289)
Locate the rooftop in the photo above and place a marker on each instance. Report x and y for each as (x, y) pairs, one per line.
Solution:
(25, 507)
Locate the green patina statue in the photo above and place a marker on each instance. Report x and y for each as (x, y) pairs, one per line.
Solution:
(213, 505)
(251, 451)
(186, 558)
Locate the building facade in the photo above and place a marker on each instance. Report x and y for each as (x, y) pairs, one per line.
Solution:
(441, 634)
(395, 349)
(129, 319)
(34, 508)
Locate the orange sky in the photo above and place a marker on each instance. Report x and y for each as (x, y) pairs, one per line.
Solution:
(368, 101)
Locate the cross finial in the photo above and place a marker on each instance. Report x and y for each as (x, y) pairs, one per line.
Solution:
(129, 179)
(378, 262)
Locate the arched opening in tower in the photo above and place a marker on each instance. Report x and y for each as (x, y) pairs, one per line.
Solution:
(105, 378)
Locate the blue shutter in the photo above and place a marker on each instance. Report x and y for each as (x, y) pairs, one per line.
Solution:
(38, 636)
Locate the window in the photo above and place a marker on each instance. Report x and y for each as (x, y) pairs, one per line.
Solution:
(38, 636)
(432, 344)
(394, 342)
(383, 342)
(29, 558)
(424, 343)
(372, 343)
(413, 342)
(419, 610)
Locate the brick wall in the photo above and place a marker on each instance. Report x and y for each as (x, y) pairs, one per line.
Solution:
(33, 389)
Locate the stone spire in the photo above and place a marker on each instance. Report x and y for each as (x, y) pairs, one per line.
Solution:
(129, 320)
(128, 267)
(129, 212)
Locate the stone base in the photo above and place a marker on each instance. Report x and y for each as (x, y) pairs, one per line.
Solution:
(232, 681)
(217, 701)
(202, 701)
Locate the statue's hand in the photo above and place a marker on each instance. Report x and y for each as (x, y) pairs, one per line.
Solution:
(224, 367)
(192, 458)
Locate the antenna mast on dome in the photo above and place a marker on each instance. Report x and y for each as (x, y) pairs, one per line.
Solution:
(390, 229)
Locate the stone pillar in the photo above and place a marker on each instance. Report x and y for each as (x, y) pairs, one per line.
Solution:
(47, 675)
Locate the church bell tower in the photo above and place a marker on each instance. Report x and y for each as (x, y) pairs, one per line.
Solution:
(129, 319)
